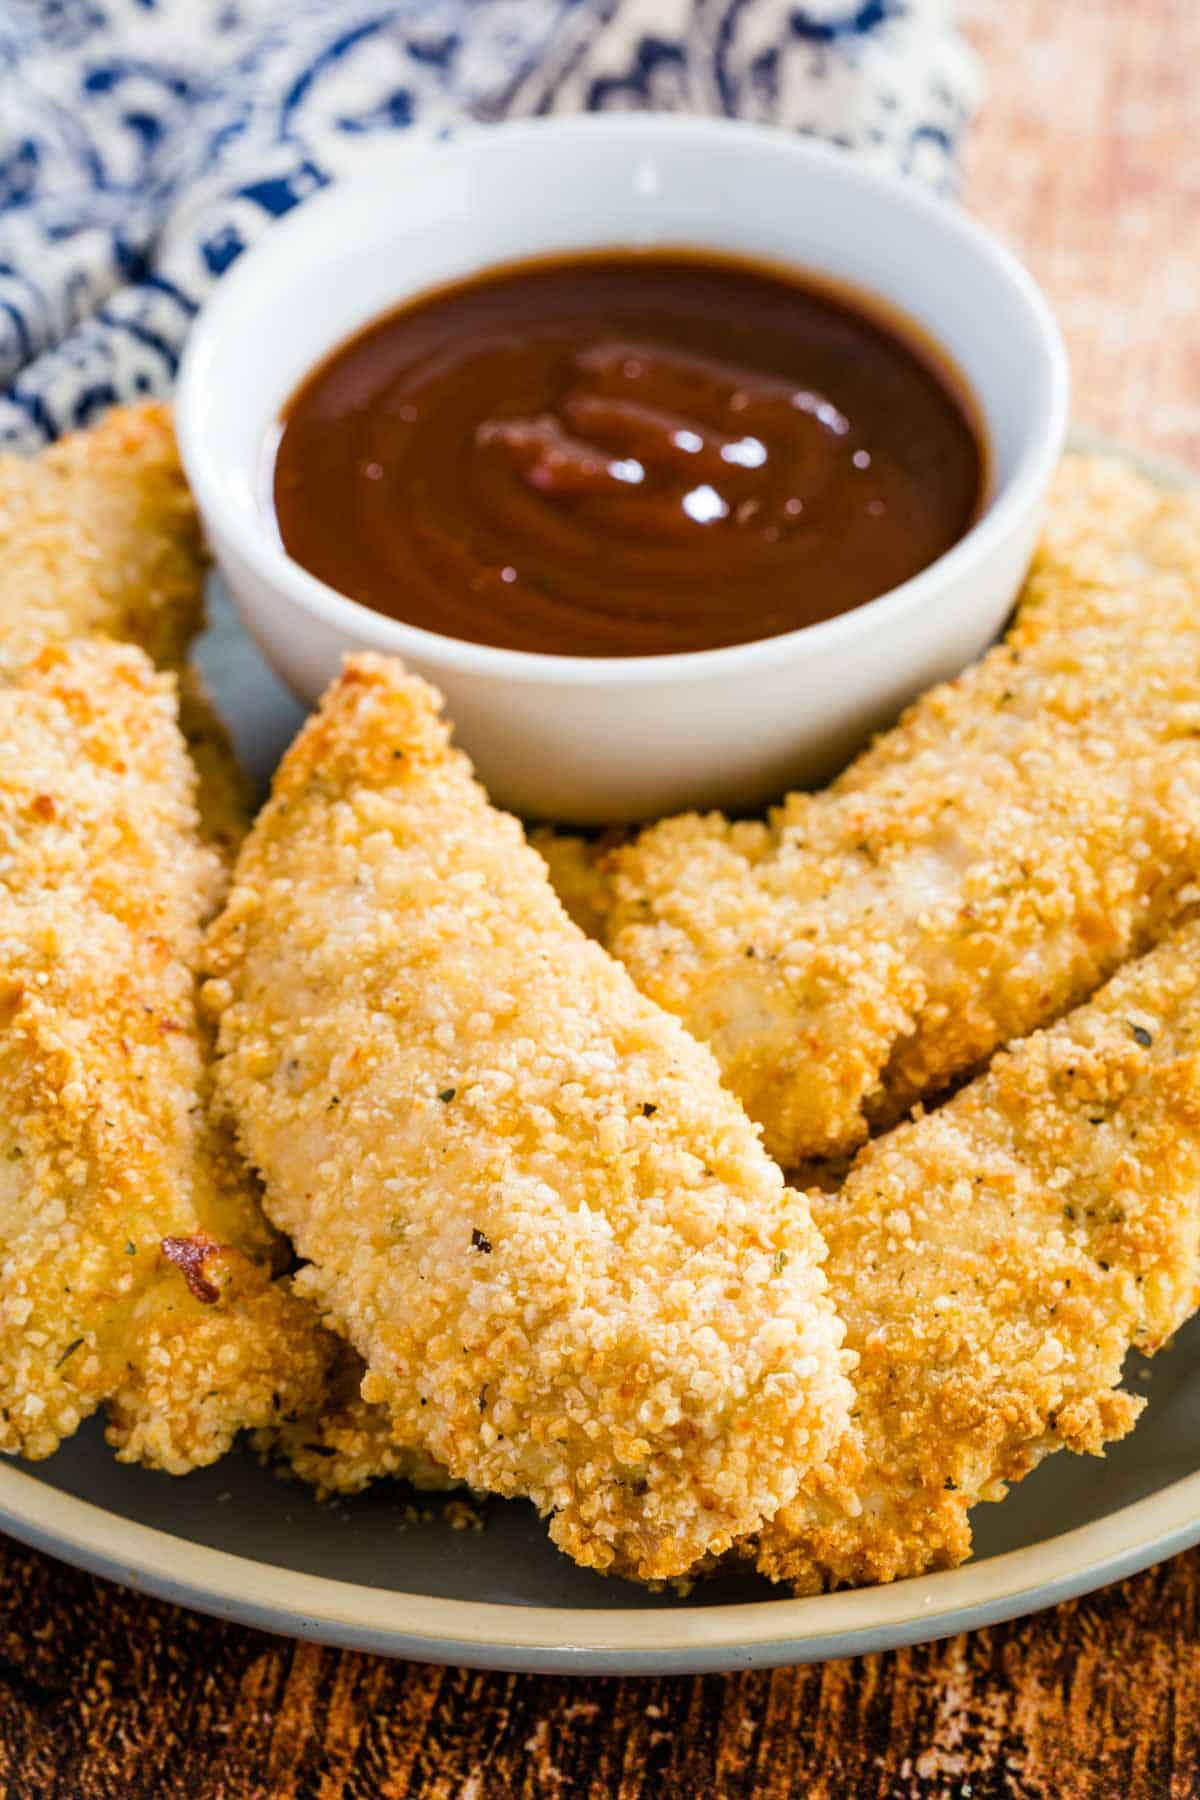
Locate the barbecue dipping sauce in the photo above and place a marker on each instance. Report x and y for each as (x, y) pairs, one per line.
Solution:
(624, 453)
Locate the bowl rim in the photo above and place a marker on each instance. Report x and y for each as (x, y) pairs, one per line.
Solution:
(260, 549)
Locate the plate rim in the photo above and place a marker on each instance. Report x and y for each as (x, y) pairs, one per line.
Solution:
(592, 1640)
(618, 1641)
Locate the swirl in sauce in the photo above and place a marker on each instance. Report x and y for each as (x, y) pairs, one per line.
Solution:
(625, 454)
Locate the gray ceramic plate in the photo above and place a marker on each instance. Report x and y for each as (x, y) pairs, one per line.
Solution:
(236, 1542)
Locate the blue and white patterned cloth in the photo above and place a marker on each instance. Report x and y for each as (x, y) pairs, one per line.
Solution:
(144, 143)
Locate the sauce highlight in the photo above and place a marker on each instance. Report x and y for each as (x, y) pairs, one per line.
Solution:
(625, 453)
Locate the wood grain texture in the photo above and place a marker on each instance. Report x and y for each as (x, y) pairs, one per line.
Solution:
(1087, 157)
(104, 1696)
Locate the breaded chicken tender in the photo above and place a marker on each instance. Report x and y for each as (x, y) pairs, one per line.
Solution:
(519, 1187)
(994, 1262)
(977, 872)
(350, 1444)
(135, 1263)
(99, 536)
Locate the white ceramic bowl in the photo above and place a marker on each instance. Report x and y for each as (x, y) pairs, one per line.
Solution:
(589, 738)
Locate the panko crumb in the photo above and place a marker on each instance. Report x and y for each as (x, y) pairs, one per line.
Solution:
(460, 1515)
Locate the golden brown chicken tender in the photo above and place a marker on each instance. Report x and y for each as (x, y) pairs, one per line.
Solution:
(982, 868)
(520, 1189)
(99, 536)
(994, 1262)
(135, 1264)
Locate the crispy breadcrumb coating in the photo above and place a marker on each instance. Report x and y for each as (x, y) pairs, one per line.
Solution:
(978, 871)
(99, 536)
(579, 874)
(520, 1189)
(993, 1262)
(135, 1262)
(348, 1444)
(223, 792)
(351, 1444)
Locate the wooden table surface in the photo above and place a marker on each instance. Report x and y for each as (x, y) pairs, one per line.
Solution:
(1087, 157)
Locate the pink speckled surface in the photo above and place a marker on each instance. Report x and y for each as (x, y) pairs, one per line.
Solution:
(1086, 157)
